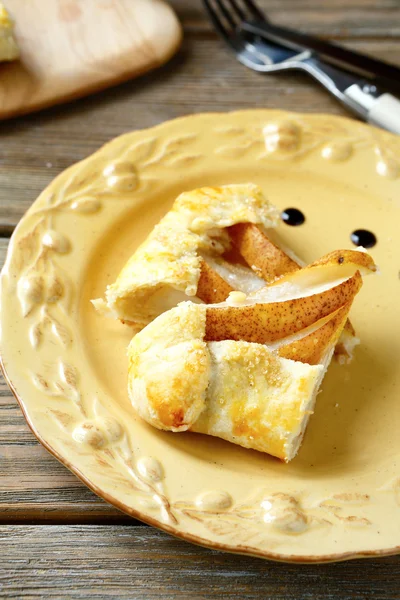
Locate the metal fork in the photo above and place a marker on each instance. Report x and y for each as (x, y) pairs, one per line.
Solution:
(361, 96)
(227, 19)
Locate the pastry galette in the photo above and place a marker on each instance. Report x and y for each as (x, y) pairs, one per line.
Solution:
(243, 360)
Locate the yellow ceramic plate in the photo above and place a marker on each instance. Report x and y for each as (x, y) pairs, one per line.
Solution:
(340, 497)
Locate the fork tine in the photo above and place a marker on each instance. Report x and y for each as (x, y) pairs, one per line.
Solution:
(228, 16)
(216, 20)
(234, 5)
(227, 24)
(254, 10)
(239, 11)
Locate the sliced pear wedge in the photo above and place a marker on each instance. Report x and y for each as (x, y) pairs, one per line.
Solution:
(211, 287)
(272, 262)
(238, 276)
(339, 263)
(325, 272)
(313, 347)
(263, 321)
(264, 257)
(343, 258)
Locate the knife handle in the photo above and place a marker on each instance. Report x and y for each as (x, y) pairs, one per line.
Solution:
(385, 112)
(380, 109)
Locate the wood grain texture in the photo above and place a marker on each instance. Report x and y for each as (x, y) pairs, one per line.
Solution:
(69, 48)
(35, 148)
(339, 19)
(142, 563)
(67, 561)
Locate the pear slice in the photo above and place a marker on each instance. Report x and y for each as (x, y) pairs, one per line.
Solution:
(344, 258)
(292, 303)
(264, 257)
(212, 288)
(263, 320)
(238, 276)
(272, 261)
(312, 347)
(339, 264)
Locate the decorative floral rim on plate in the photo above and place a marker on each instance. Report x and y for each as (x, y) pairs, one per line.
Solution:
(335, 502)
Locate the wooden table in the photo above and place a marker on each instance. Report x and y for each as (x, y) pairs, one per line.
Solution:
(58, 540)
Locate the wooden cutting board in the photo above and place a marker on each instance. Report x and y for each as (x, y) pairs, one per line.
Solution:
(70, 48)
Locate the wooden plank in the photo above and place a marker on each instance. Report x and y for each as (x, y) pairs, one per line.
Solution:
(35, 487)
(144, 564)
(335, 19)
(34, 149)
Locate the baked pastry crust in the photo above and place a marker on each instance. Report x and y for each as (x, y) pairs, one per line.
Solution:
(166, 268)
(238, 391)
